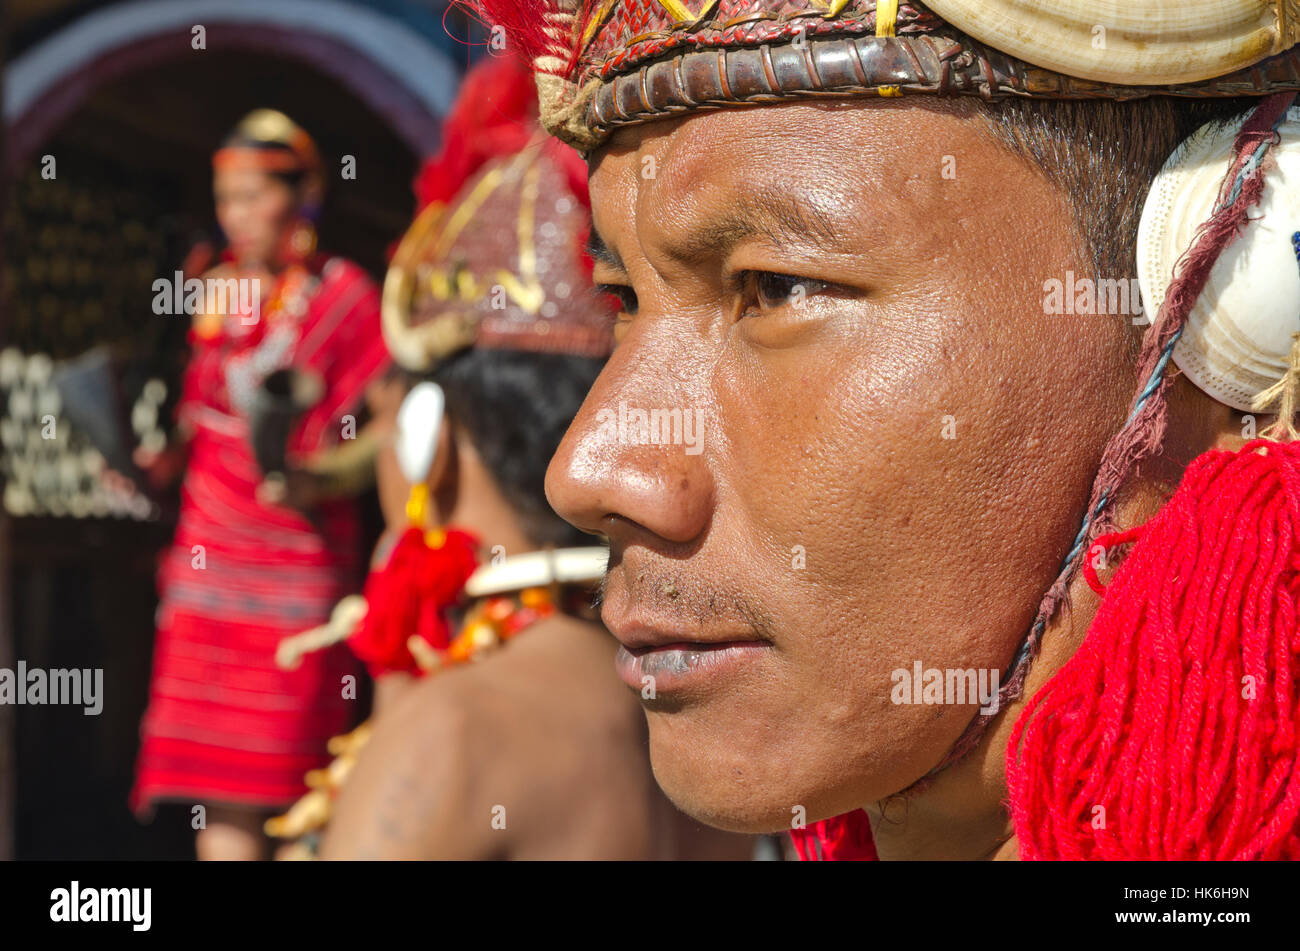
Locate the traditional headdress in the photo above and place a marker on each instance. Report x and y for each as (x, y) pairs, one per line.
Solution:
(1164, 646)
(607, 63)
(497, 256)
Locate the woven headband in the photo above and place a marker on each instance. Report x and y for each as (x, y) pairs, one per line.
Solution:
(604, 64)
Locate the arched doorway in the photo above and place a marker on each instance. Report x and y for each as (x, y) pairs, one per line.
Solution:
(395, 70)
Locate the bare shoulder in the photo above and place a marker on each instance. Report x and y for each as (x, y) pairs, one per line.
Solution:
(574, 773)
(560, 674)
(407, 796)
(536, 751)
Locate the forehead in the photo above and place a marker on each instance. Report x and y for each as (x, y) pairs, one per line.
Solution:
(813, 127)
(865, 168)
(242, 179)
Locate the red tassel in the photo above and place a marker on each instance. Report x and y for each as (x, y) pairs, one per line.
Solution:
(410, 595)
(495, 115)
(1171, 734)
(845, 838)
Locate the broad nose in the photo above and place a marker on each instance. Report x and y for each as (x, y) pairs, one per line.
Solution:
(635, 463)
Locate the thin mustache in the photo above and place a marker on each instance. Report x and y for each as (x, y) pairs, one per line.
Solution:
(706, 605)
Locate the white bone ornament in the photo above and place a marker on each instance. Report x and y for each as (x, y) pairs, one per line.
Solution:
(1130, 42)
(419, 420)
(1238, 337)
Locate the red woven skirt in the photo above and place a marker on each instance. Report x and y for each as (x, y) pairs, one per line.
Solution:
(225, 725)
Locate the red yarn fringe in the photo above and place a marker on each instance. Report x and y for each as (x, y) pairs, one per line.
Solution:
(1171, 733)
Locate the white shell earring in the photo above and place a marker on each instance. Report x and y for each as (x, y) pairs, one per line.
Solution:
(1238, 338)
(419, 419)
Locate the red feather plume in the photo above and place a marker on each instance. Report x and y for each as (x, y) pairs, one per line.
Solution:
(531, 27)
(495, 115)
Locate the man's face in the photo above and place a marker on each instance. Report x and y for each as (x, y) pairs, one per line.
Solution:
(896, 442)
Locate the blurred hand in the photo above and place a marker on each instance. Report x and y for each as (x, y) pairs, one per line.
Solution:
(160, 470)
(297, 489)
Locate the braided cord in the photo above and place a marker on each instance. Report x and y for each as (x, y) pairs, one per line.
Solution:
(1157, 379)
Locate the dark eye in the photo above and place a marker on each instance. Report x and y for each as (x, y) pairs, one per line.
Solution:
(624, 297)
(772, 291)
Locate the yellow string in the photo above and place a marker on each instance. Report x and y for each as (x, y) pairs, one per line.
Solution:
(886, 25)
(417, 504)
(1288, 389)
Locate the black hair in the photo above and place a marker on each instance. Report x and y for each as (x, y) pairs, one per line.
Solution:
(1105, 154)
(515, 407)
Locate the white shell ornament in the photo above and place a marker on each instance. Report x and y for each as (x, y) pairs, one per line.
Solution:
(419, 420)
(1133, 43)
(1238, 337)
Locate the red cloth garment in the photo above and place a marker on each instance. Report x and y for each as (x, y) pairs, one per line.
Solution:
(225, 724)
(845, 838)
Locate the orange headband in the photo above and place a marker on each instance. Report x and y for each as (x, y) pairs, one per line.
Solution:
(264, 160)
(304, 156)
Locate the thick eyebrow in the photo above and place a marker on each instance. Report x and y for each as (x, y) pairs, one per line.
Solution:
(603, 253)
(774, 215)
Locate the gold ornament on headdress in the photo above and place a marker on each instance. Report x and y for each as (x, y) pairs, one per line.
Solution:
(427, 274)
(268, 125)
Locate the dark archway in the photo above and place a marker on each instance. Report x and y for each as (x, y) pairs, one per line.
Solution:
(393, 69)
